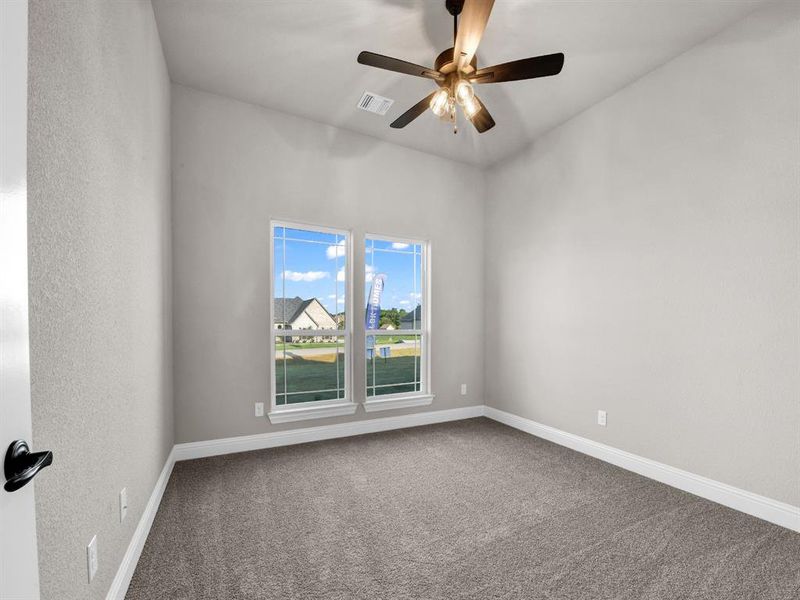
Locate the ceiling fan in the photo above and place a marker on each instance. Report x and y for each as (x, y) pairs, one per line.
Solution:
(456, 69)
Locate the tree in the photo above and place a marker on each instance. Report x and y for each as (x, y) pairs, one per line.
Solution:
(392, 316)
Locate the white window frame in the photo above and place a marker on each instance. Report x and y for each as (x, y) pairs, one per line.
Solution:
(424, 396)
(286, 413)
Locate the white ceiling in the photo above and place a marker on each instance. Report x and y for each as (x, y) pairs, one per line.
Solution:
(299, 56)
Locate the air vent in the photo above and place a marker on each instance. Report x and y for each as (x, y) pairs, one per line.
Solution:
(374, 103)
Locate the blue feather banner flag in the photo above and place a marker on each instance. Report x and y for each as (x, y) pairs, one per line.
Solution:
(373, 317)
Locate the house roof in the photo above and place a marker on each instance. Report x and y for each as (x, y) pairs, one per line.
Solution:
(414, 315)
(289, 309)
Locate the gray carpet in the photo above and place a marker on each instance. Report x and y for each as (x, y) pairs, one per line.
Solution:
(464, 510)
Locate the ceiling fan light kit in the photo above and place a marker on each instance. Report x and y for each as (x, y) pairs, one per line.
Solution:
(456, 69)
(439, 103)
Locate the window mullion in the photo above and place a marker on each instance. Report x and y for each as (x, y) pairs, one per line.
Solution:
(283, 307)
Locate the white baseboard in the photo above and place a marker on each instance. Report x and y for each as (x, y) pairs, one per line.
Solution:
(762, 507)
(119, 587)
(191, 450)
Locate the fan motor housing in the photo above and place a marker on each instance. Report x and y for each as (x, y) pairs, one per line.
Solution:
(446, 57)
(454, 7)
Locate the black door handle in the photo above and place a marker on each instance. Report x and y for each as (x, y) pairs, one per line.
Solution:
(22, 465)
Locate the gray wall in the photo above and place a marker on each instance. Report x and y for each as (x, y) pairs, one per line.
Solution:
(235, 167)
(643, 259)
(99, 189)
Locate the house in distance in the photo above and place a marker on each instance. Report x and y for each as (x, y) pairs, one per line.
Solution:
(296, 313)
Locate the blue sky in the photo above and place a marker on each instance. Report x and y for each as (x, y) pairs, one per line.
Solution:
(312, 265)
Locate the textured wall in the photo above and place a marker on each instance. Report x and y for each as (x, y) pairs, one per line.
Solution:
(235, 167)
(99, 188)
(652, 243)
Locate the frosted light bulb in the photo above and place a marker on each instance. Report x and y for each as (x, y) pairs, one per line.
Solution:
(439, 103)
(471, 107)
(464, 92)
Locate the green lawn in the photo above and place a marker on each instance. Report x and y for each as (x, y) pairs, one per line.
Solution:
(309, 375)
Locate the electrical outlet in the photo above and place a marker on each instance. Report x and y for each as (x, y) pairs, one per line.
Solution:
(601, 418)
(91, 558)
(463, 389)
(123, 504)
(259, 409)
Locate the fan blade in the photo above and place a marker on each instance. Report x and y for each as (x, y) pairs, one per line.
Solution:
(413, 112)
(398, 66)
(471, 25)
(526, 68)
(482, 120)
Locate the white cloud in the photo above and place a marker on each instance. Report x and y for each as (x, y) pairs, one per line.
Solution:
(306, 276)
(415, 296)
(337, 251)
(369, 273)
(404, 302)
(399, 246)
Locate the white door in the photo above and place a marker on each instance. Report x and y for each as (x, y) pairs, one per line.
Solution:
(19, 569)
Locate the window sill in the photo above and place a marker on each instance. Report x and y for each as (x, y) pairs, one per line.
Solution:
(301, 413)
(398, 402)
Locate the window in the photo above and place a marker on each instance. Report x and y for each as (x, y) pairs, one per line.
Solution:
(396, 323)
(310, 335)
